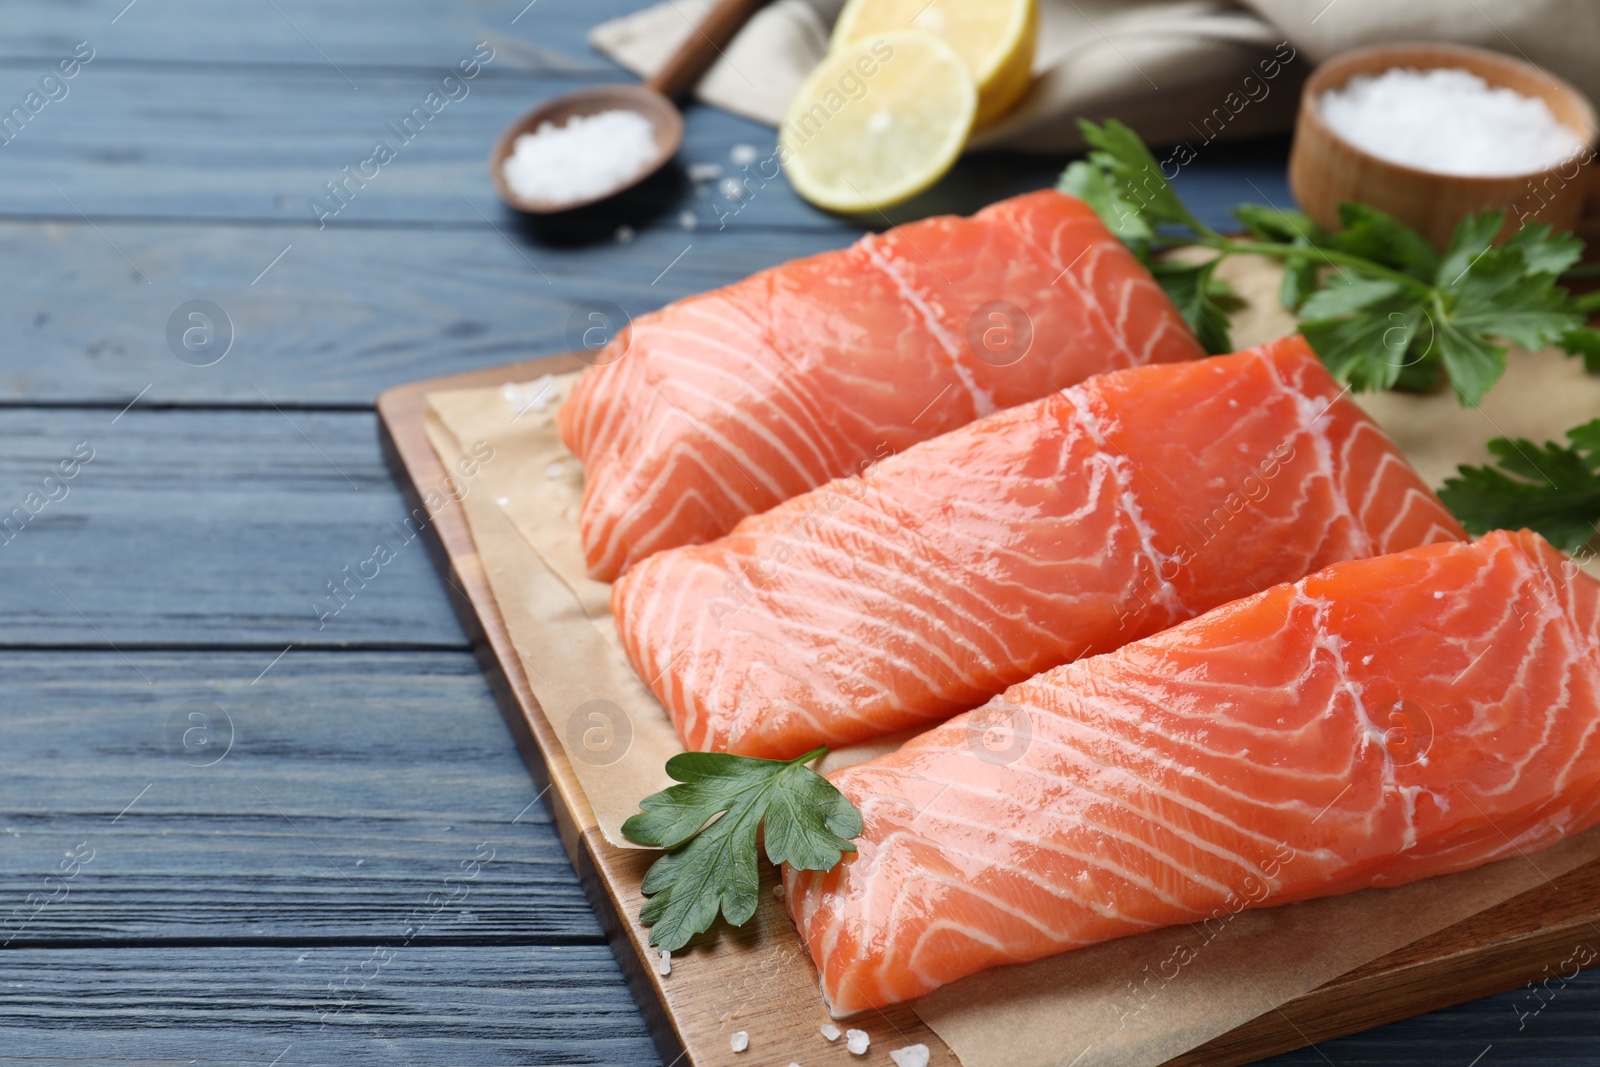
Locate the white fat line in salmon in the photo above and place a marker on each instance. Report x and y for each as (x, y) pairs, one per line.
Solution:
(1152, 981)
(1252, 489)
(826, 502)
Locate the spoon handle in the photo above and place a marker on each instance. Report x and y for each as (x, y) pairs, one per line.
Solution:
(703, 46)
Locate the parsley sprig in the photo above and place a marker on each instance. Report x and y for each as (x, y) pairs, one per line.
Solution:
(1379, 304)
(1552, 488)
(711, 824)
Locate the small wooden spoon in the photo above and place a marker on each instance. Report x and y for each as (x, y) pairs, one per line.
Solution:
(653, 100)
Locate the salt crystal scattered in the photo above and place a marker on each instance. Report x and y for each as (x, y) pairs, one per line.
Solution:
(556, 470)
(502, 500)
(732, 188)
(1437, 595)
(624, 235)
(688, 220)
(857, 1041)
(705, 172)
(529, 396)
(664, 963)
(910, 1056)
(744, 154)
(777, 891)
(740, 1041)
(830, 1031)
(1447, 121)
(588, 156)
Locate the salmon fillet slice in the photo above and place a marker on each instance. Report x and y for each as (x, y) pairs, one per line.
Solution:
(1381, 721)
(1055, 529)
(724, 404)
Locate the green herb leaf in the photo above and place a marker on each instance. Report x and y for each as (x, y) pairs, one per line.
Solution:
(1394, 314)
(1276, 224)
(1473, 363)
(1197, 294)
(1134, 176)
(1371, 348)
(1345, 294)
(710, 824)
(1470, 239)
(1094, 187)
(1374, 235)
(1583, 341)
(1551, 488)
(1545, 252)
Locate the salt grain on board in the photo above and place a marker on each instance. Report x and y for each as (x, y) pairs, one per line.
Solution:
(587, 157)
(744, 154)
(1447, 121)
(857, 1041)
(910, 1056)
(830, 1031)
(739, 1041)
(705, 172)
(664, 963)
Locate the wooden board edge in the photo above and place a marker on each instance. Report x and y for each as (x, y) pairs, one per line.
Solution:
(1495, 951)
(1432, 973)
(402, 414)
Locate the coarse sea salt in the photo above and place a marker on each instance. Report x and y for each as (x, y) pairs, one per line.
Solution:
(830, 1031)
(739, 1041)
(588, 157)
(910, 1056)
(1447, 121)
(857, 1041)
(664, 963)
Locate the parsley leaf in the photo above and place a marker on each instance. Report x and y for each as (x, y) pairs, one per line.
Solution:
(1381, 238)
(1372, 347)
(806, 823)
(1551, 488)
(1583, 341)
(1199, 298)
(1392, 313)
(1544, 252)
(1133, 176)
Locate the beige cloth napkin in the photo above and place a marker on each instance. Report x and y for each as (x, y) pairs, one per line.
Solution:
(1175, 70)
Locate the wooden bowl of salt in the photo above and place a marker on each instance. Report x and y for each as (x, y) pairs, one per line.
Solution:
(1431, 133)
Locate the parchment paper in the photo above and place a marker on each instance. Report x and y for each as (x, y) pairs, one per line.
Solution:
(1101, 1004)
(523, 516)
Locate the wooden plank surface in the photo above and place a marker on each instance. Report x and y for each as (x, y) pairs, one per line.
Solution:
(246, 143)
(318, 796)
(256, 1006)
(344, 314)
(354, 33)
(207, 528)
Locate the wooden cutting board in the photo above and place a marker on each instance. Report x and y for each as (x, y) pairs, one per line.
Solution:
(758, 980)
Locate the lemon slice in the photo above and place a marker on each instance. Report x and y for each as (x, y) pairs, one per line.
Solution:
(996, 38)
(879, 120)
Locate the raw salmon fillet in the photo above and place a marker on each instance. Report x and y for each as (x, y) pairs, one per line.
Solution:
(724, 404)
(1055, 529)
(1381, 721)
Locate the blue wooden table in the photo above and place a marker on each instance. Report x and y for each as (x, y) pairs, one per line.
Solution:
(236, 828)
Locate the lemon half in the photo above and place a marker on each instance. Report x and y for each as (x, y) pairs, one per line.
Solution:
(879, 120)
(996, 38)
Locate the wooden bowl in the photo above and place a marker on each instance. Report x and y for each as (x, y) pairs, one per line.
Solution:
(1325, 169)
(666, 121)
